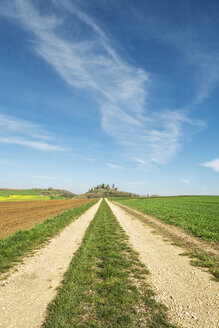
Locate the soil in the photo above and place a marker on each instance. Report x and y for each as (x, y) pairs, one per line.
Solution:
(26, 293)
(190, 293)
(15, 216)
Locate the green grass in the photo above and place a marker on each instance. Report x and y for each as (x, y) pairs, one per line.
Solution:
(202, 260)
(8, 192)
(199, 215)
(57, 197)
(105, 283)
(13, 248)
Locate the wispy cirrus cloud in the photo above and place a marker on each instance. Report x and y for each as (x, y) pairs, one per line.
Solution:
(31, 143)
(86, 159)
(214, 164)
(186, 181)
(20, 132)
(114, 166)
(11, 124)
(89, 61)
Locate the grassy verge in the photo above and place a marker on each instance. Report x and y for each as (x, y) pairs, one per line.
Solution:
(105, 283)
(200, 257)
(13, 248)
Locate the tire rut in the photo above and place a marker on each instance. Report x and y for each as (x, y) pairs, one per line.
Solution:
(190, 294)
(27, 291)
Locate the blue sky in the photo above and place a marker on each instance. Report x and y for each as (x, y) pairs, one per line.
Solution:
(122, 92)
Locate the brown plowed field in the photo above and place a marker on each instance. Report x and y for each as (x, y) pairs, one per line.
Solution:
(15, 216)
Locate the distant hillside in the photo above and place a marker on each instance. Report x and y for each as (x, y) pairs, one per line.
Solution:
(105, 190)
(49, 192)
(57, 193)
(99, 191)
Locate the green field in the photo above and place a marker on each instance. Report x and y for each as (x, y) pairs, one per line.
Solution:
(198, 215)
(27, 192)
(9, 195)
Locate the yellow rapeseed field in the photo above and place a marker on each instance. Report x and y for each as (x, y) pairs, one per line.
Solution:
(23, 198)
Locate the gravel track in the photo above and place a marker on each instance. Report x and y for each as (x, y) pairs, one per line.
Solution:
(190, 294)
(27, 291)
(178, 233)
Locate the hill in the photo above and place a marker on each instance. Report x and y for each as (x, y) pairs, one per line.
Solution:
(104, 190)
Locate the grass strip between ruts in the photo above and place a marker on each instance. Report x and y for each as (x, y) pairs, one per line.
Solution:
(13, 248)
(105, 283)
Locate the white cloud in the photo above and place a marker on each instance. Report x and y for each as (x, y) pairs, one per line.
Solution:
(83, 158)
(25, 133)
(140, 161)
(93, 64)
(31, 143)
(113, 166)
(14, 124)
(214, 164)
(186, 181)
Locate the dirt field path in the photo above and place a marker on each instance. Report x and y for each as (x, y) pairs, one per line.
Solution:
(26, 293)
(190, 294)
(176, 232)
